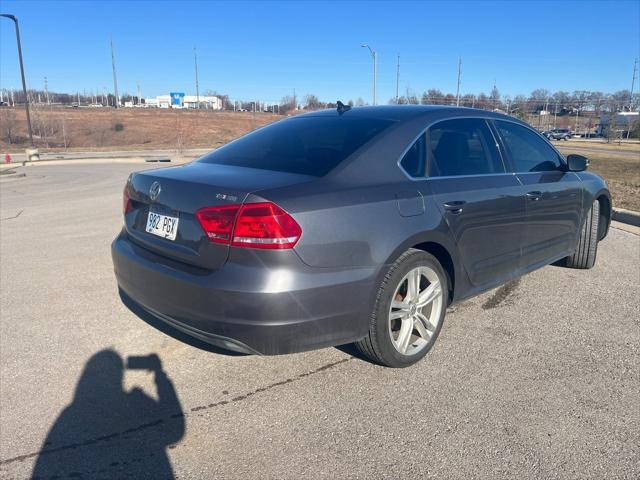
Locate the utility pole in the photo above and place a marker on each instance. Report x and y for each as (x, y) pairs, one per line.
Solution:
(46, 90)
(459, 75)
(374, 55)
(24, 82)
(546, 113)
(195, 60)
(397, 79)
(138, 85)
(633, 84)
(115, 80)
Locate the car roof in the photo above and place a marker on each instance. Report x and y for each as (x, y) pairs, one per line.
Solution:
(407, 112)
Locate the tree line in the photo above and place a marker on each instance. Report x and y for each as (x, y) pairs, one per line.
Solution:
(559, 102)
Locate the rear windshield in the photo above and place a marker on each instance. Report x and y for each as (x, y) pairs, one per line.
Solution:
(305, 145)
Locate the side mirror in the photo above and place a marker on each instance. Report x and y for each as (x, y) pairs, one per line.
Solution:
(577, 163)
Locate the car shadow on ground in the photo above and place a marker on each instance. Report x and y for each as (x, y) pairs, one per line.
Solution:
(107, 432)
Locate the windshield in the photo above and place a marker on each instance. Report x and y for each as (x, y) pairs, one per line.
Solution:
(304, 145)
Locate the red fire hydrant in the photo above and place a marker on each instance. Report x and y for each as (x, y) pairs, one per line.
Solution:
(7, 158)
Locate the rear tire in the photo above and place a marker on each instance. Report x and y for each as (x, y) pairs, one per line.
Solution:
(585, 255)
(408, 312)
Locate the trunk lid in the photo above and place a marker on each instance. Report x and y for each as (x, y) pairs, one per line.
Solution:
(183, 191)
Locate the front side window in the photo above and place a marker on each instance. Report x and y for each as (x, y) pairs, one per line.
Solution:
(413, 162)
(462, 147)
(528, 151)
(311, 145)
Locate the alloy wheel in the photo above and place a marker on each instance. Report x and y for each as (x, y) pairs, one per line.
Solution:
(415, 312)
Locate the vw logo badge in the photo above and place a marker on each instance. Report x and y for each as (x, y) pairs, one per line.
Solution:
(154, 191)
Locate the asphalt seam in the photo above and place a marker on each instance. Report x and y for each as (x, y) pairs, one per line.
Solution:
(155, 423)
(11, 218)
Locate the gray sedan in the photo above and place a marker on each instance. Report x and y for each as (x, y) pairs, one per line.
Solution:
(352, 226)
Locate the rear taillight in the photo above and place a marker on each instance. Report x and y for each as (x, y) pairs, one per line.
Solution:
(217, 222)
(126, 200)
(265, 225)
(254, 225)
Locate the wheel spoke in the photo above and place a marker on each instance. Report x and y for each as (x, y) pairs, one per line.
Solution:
(400, 305)
(413, 285)
(404, 335)
(421, 318)
(397, 314)
(421, 327)
(429, 294)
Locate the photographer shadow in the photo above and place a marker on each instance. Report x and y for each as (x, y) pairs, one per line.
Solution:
(107, 432)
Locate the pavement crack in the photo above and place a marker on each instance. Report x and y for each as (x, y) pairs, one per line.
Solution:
(502, 294)
(156, 423)
(11, 218)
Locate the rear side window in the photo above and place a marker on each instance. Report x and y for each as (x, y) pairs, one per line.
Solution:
(462, 147)
(528, 151)
(305, 145)
(413, 162)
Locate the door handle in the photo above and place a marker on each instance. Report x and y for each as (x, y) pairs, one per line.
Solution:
(455, 207)
(534, 196)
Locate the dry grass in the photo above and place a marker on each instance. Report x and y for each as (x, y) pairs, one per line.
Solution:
(625, 145)
(622, 174)
(107, 128)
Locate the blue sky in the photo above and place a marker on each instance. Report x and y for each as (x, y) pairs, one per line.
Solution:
(263, 50)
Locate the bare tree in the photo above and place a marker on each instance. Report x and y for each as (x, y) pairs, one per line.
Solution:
(433, 96)
(287, 104)
(8, 120)
(495, 98)
(312, 102)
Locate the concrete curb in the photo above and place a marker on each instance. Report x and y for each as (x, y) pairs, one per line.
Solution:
(626, 216)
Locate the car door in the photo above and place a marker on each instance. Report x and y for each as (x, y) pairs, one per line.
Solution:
(479, 201)
(553, 199)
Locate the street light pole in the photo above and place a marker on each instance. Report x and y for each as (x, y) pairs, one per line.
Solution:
(195, 62)
(398, 79)
(458, 89)
(24, 82)
(374, 55)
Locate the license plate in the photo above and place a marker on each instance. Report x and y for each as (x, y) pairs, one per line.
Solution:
(162, 225)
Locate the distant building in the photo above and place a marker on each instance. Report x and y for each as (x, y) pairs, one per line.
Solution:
(180, 100)
(207, 102)
(624, 121)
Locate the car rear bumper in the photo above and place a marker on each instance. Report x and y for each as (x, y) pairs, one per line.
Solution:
(248, 305)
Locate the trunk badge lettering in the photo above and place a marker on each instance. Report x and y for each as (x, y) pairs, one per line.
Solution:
(223, 196)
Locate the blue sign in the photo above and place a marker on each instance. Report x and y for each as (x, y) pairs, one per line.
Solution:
(177, 98)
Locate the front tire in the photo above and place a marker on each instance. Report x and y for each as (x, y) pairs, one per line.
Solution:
(408, 312)
(585, 255)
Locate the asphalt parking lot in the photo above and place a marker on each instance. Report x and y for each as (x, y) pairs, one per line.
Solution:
(537, 379)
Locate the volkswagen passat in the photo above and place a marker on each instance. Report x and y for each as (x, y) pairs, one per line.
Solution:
(353, 225)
